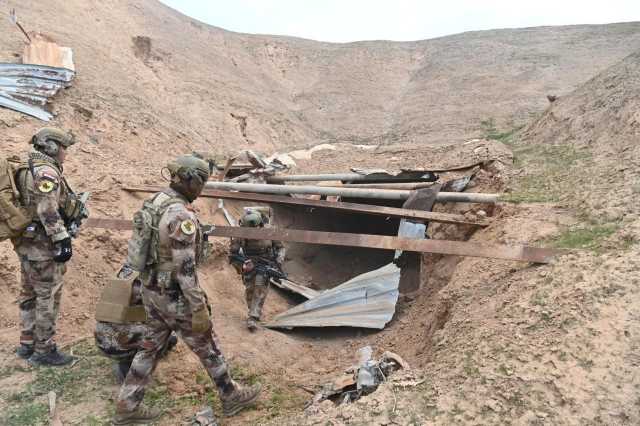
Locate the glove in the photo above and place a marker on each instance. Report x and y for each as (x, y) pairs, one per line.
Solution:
(200, 321)
(63, 250)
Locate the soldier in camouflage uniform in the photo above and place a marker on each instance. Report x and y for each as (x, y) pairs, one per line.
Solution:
(172, 296)
(256, 282)
(44, 247)
(121, 341)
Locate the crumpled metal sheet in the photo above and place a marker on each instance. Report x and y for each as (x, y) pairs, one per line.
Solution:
(368, 301)
(27, 88)
(293, 287)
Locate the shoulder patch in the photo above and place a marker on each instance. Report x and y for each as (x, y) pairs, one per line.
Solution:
(188, 227)
(46, 186)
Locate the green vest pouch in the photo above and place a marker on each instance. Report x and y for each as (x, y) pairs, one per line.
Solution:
(115, 303)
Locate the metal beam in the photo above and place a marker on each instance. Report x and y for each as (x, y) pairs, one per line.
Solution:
(415, 215)
(383, 194)
(382, 242)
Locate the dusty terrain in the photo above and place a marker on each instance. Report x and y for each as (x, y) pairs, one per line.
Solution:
(497, 342)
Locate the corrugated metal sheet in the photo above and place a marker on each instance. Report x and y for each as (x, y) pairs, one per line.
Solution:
(285, 284)
(368, 301)
(27, 88)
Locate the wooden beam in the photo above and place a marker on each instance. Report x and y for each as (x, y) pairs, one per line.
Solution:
(382, 242)
(106, 223)
(416, 215)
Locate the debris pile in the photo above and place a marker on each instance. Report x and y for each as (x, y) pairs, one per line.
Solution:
(361, 379)
(46, 68)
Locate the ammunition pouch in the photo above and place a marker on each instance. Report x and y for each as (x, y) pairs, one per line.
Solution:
(115, 303)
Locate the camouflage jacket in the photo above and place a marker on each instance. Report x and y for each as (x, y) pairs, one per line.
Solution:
(44, 193)
(179, 248)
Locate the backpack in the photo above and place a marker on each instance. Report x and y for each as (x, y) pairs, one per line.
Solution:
(145, 240)
(14, 218)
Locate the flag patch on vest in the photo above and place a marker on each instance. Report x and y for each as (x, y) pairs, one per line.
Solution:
(188, 227)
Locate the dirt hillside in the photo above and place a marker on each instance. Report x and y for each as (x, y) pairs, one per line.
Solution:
(497, 341)
(494, 343)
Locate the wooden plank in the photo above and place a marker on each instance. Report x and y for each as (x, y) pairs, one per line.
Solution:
(106, 223)
(382, 242)
(416, 215)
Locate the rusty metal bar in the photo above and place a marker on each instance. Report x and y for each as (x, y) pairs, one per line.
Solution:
(456, 248)
(382, 242)
(416, 215)
(107, 223)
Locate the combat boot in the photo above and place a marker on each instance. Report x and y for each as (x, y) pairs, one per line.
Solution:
(240, 398)
(141, 415)
(53, 358)
(24, 351)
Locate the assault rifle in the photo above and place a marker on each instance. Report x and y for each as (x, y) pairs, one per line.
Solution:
(266, 267)
(79, 212)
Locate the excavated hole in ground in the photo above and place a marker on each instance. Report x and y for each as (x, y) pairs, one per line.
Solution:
(321, 267)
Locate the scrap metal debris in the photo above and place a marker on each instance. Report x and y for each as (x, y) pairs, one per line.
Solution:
(361, 379)
(27, 88)
(204, 417)
(256, 169)
(294, 287)
(368, 301)
(46, 68)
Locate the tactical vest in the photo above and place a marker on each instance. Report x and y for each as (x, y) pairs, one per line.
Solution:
(263, 248)
(144, 245)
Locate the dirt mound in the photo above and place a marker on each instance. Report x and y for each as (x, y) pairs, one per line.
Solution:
(601, 122)
(511, 343)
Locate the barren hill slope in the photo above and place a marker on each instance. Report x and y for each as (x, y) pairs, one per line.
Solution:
(149, 73)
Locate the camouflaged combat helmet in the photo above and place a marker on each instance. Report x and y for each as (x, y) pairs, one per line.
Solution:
(49, 139)
(189, 173)
(251, 219)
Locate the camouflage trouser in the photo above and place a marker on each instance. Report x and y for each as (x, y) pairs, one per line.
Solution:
(40, 302)
(120, 342)
(255, 292)
(167, 312)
